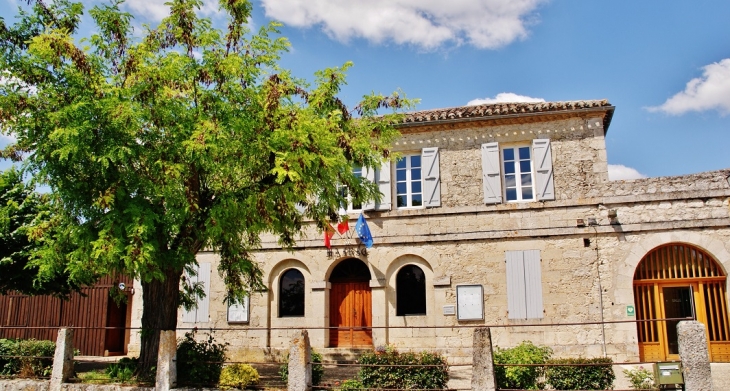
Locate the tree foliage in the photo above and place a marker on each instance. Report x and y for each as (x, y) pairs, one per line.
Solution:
(179, 138)
(21, 208)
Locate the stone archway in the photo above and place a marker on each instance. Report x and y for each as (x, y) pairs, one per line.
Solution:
(678, 280)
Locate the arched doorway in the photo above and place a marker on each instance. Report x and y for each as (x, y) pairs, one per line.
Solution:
(351, 305)
(676, 281)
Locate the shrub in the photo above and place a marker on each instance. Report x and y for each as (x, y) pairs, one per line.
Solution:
(585, 377)
(199, 362)
(350, 385)
(518, 377)
(238, 376)
(123, 370)
(408, 371)
(28, 362)
(640, 378)
(317, 369)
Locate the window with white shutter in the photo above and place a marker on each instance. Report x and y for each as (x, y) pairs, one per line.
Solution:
(201, 312)
(491, 178)
(517, 173)
(524, 285)
(544, 187)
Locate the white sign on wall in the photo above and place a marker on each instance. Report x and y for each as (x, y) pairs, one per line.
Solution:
(469, 302)
(238, 312)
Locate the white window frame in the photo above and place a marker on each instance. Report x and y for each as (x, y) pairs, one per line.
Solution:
(199, 314)
(519, 187)
(350, 207)
(409, 182)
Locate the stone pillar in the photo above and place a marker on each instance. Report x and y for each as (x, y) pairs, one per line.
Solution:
(300, 364)
(63, 359)
(482, 375)
(694, 356)
(166, 377)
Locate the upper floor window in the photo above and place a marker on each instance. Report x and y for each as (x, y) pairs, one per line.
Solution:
(352, 206)
(524, 173)
(291, 293)
(518, 184)
(409, 186)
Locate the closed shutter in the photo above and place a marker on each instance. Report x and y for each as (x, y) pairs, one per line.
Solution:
(189, 316)
(533, 284)
(431, 178)
(204, 303)
(369, 174)
(491, 173)
(545, 187)
(516, 306)
(383, 180)
(199, 314)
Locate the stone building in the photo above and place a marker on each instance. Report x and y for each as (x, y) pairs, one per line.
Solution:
(499, 215)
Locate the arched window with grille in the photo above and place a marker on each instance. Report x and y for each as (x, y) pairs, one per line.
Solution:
(410, 285)
(680, 281)
(291, 294)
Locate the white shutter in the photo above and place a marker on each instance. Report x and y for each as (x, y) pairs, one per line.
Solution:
(204, 303)
(369, 174)
(383, 180)
(543, 159)
(491, 173)
(431, 177)
(189, 316)
(515, 285)
(533, 284)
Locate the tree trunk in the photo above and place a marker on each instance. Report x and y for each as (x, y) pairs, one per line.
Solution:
(159, 312)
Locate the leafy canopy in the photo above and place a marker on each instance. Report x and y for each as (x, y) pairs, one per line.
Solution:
(184, 138)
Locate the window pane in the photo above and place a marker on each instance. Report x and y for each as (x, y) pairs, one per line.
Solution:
(416, 174)
(511, 194)
(526, 179)
(524, 153)
(291, 293)
(525, 166)
(415, 161)
(410, 285)
(400, 175)
(509, 154)
(509, 167)
(357, 171)
(527, 193)
(416, 187)
(509, 181)
(402, 188)
(401, 163)
(401, 201)
(416, 200)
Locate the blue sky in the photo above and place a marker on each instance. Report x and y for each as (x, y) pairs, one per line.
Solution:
(664, 65)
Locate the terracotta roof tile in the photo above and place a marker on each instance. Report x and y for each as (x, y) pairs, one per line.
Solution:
(495, 109)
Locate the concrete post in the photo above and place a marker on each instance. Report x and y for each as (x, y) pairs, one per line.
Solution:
(482, 375)
(694, 356)
(300, 364)
(63, 359)
(166, 377)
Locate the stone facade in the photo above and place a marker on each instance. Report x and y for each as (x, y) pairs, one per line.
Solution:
(587, 270)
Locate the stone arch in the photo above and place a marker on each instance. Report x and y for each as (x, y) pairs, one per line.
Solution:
(679, 280)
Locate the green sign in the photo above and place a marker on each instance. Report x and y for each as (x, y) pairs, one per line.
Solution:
(630, 310)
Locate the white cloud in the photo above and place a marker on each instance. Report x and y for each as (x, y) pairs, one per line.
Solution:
(504, 97)
(425, 23)
(619, 172)
(711, 91)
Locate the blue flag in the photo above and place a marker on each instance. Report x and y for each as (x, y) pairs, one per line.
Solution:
(363, 232)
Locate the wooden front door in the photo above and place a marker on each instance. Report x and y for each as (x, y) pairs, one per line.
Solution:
(351, 314)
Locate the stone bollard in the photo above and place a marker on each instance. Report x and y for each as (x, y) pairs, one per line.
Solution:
(694, 356)
(300, 364)
(482, 375)
(166, 377)
(63, 359)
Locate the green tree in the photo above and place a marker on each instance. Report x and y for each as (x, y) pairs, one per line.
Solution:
(21, 208)
(185, 138)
